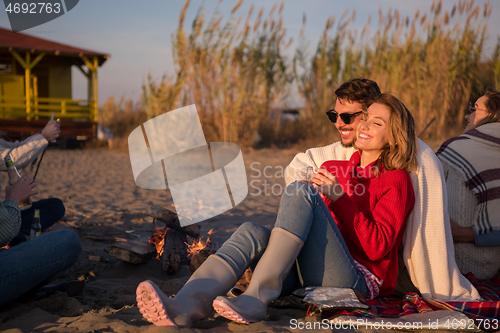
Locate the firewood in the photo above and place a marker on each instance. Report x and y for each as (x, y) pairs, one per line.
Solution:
(171, 220)
(174, 251)
(199, 258)
(133, 251)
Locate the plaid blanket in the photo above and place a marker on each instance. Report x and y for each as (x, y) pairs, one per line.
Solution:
(412, 303)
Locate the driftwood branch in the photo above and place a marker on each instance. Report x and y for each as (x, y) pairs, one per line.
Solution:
(135, 252)
(172, 221)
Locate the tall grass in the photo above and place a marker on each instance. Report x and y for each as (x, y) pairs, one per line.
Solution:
(434, 67)
(235, 72)
(232, 71)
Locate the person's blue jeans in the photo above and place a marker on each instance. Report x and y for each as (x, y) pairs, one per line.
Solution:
(324, 259)
(36, 262)
(51, 211)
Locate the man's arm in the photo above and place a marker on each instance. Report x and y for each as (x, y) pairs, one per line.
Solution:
(10, 221)
(315, 157)
(10, 214)
(24, 152)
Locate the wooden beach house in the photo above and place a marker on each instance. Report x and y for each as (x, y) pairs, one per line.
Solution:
(35, 81)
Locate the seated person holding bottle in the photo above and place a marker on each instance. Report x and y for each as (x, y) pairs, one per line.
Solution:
(23, 154)
(30, 265)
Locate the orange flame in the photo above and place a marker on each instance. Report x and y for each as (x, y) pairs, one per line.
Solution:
(194, 248)
(158, 239)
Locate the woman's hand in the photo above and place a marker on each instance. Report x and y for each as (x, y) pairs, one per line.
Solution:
(326, 184)
(21, 190)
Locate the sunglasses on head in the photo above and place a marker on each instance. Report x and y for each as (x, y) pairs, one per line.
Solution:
(346, 117)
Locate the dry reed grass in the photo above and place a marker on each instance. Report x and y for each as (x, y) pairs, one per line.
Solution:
(433, 62)
(235, 72)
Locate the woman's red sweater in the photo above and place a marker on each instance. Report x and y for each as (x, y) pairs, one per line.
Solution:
(372, 215)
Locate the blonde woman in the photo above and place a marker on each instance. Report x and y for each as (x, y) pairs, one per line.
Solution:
(343, 230)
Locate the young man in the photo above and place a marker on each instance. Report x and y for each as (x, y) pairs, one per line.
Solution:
(427, 244)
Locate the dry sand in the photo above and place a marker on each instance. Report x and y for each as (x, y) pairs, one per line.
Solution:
(104, 206)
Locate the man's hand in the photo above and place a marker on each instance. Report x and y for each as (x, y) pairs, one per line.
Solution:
(326, 183)
(461, 234)
(51, 131)
(21, 190)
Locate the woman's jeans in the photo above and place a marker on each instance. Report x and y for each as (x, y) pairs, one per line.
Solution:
(36, 262)
(324, 259)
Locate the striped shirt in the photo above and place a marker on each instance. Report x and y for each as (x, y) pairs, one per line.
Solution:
(10, 220)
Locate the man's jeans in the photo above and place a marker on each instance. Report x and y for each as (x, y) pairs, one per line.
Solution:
(324, 259)
(36, 262)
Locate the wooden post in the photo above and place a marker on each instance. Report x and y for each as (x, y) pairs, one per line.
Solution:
(96, 102)
(28, 66)
(92, 75)
(27, 75)
(35, 94)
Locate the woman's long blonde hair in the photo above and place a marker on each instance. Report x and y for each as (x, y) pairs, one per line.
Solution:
(402, 150)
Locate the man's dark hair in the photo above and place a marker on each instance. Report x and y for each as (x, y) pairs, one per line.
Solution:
(358, 90)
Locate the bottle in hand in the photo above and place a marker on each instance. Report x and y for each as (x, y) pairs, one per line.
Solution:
(13, 177)
(36, 228)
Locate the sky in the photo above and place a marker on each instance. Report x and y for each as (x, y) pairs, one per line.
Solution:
(137, 34)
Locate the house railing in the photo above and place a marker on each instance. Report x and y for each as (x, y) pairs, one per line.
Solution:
(63, 108)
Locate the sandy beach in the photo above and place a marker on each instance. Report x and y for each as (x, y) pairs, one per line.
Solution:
(106, 207)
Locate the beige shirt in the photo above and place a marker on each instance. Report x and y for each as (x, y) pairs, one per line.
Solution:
(22, 153)
(483, 262)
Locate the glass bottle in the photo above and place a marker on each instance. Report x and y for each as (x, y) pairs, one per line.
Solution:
(309, 174)
(13, 177)
(36, 227)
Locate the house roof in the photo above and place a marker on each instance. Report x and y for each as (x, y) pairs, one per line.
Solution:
(23, 42)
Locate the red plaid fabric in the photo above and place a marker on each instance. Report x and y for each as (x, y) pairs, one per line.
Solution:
(413, 303)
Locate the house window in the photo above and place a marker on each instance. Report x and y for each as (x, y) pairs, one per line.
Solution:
(5, 69)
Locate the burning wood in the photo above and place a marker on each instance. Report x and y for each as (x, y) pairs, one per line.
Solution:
(158, 240)
(199, 251)
(196, 246)
(171, 220)
(170, 247)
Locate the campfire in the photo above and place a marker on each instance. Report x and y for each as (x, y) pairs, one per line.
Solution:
(171, 241)
(158, 240)
(193, 253)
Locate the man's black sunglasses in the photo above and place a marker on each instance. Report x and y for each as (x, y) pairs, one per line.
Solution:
(346, 117)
